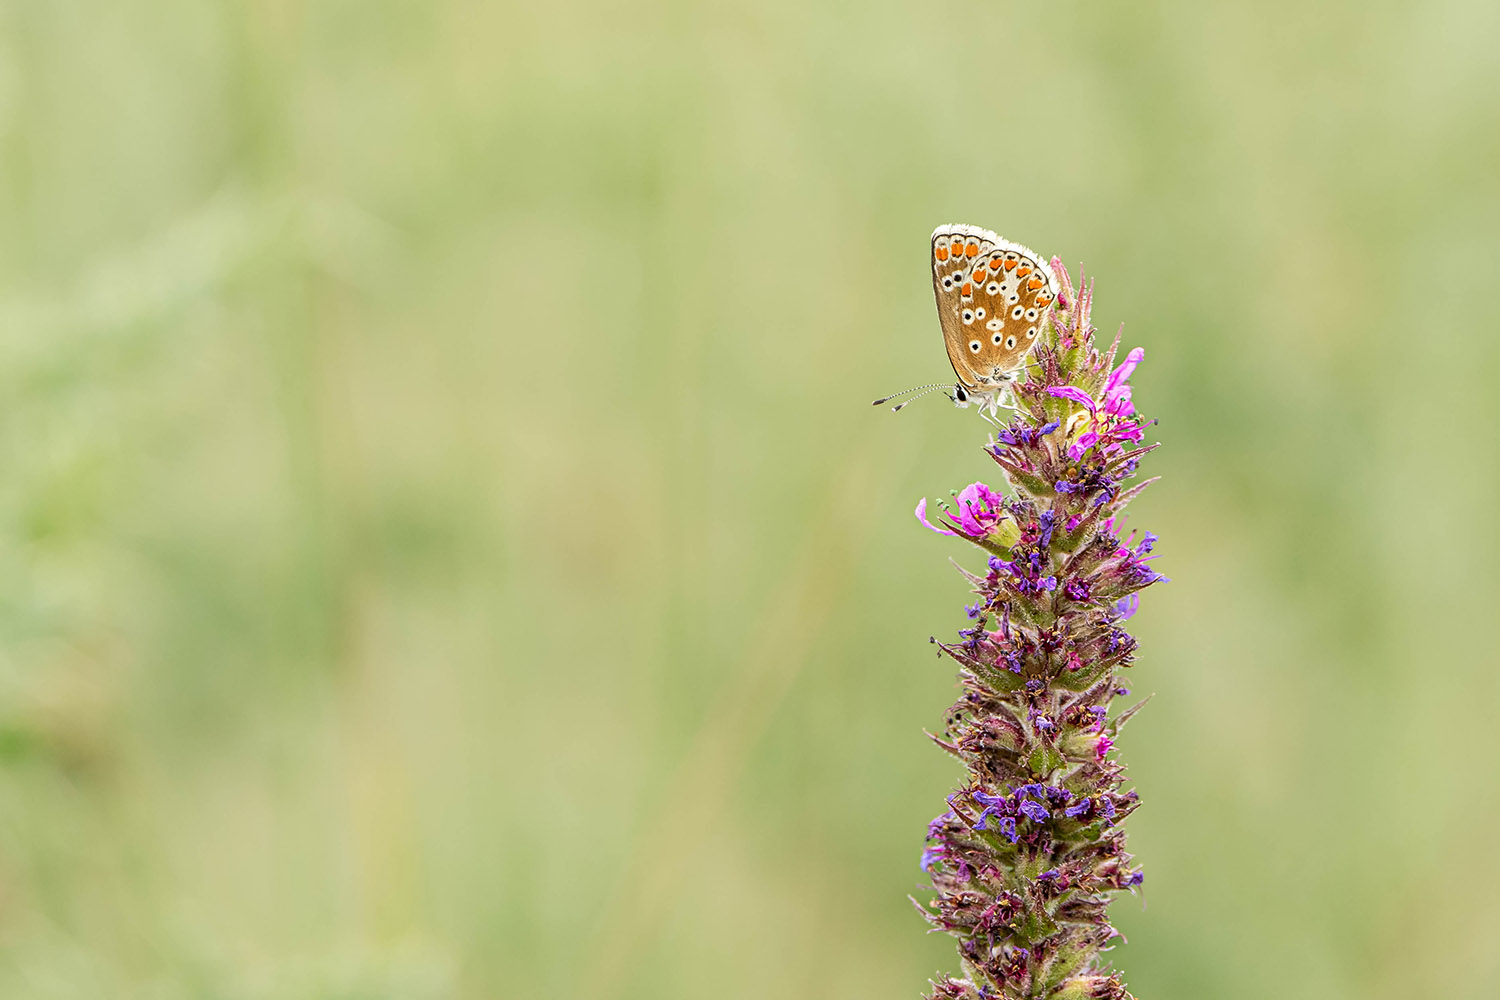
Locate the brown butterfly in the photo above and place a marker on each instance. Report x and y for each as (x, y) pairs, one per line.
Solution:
(992, 301)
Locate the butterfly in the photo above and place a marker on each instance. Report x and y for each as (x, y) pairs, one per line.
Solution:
(992, 301)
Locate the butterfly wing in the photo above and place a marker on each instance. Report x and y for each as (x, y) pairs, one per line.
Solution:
(992, 299)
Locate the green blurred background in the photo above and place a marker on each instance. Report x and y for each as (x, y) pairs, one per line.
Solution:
(446, 549)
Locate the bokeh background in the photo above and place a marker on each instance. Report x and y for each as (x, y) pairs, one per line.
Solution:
(446, 549)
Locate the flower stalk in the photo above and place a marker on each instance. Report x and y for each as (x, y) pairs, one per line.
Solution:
(1031, 847)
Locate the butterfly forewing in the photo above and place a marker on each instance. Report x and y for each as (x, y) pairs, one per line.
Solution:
(992, 298)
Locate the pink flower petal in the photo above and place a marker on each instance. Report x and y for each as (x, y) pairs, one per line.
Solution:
(1074, 393)
(1117, 402)
(1120, 374)
(922, 516)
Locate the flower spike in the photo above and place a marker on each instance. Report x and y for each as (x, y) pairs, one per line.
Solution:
(1030, 847)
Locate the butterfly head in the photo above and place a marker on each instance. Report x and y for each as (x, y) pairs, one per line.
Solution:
(986, 390)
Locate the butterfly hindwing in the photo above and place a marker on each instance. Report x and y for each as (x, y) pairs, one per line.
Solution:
(954, 249)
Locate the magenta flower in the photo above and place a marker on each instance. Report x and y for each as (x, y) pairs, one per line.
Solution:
(1111, 417)
(980, 509)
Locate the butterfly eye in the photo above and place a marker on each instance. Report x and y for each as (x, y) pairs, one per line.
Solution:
(974, 346)
(959, 393)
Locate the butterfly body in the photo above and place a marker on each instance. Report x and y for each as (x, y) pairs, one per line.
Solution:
(992, 301)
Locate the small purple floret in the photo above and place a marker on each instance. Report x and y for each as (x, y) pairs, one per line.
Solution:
(1034, 811)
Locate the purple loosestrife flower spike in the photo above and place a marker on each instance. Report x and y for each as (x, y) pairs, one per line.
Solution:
(1029, 852)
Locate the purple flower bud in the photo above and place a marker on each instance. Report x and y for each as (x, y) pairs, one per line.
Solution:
(1045, 526)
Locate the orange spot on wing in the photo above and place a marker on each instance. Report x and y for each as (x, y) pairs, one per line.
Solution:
(1035, 283)
(1023, 271)
(1010, 265)
(972, 250)
(980, 274)
(941, 253)
(1042, 300)
(967, 290)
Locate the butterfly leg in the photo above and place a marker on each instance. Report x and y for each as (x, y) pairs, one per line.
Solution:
(1004, 399)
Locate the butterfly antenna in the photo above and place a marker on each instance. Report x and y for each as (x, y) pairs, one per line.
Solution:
(921, 390)
(933, 388)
